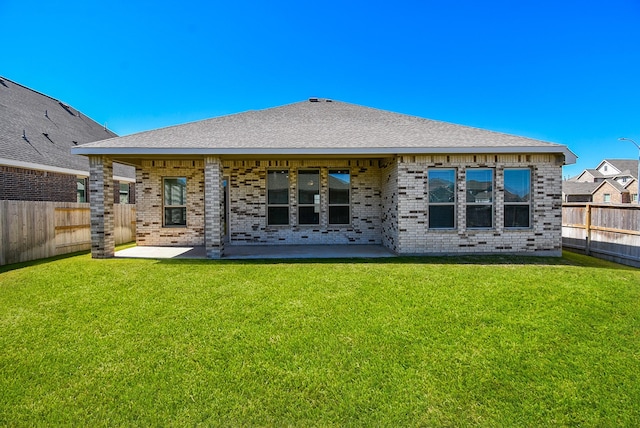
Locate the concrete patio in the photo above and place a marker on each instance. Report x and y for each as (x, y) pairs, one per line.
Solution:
(255, 252)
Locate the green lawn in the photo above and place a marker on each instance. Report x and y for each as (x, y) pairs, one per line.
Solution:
(393, 342)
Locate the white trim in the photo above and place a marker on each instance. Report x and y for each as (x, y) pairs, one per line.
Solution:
(570, 157)
(40, 167)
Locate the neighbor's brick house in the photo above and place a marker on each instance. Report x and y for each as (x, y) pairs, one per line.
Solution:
(613, 181)
(324, 172)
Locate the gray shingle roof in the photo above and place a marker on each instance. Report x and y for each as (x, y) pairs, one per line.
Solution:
(579, 187)
(318, 127)
(625, 166)
(38, 129)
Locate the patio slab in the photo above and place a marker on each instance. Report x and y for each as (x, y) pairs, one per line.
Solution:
(256, 252)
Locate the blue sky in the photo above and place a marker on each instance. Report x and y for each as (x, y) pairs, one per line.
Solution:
(560, 71)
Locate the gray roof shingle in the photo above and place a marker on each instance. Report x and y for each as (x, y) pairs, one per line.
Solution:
(625, 166)
(579, 187)
(322, 126)
(38, 129)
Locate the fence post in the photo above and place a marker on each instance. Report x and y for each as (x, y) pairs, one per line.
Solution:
(587, 221)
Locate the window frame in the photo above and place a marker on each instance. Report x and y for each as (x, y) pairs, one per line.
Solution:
(316, 205)
(474, 204)
(453, 203)
(331, 205)
(270, 205)
(606, 198)
(166, 206)
(517, 203)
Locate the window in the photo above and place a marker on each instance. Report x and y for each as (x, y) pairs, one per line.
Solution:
(308, 197)
(81, 192)
(175, 201)
(517, 198)
(634, 197)
(442, 198)
(278, 197)
(479, 198)
(339, 196)
(607, 197)
(124, 193)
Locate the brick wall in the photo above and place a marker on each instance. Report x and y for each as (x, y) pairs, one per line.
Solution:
(20, 184)
(247, 196)
(388, 201)
(149, 194)
(414, 236)
(615, 196)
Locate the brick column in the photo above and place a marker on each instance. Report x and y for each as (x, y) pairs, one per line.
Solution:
(213, 200)
(101, 191)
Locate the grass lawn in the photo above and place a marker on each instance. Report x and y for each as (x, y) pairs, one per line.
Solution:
(393, 342)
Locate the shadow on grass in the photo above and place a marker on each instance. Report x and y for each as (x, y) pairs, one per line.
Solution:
(568, 258)
(20, 265)
(427, 260)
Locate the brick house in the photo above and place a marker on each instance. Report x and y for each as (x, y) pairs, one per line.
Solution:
(328, 172)
(612, 181)
(36, 136)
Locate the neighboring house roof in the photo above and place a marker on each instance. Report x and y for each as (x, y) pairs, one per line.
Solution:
(617, 186)
(589, 188)
(579, 187)
(319, 127)
(622, 165)
(38, 132)
(629, 183)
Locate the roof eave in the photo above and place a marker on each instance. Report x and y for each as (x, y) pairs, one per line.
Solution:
(569, 157)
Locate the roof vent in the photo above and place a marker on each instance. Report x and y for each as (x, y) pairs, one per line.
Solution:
(314, 100)
(328, 101)
(67, 108)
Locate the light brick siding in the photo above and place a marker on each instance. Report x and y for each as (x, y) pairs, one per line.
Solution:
(247, 196)
(214, 235)
(102, 211)
(389, 196)
(415, 237)
(149, 200)
(389, 205)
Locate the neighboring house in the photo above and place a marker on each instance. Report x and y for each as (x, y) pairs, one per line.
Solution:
(36, 136)
(612, 181)
(328, 172)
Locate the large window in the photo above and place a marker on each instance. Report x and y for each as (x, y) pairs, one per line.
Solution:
(479, 198)
(442, 198)
(175, 201)
(339, 196)
(517, 198)
(278, 197)
(309, 196)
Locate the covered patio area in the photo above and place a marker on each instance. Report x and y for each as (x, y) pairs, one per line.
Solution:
(257, 252)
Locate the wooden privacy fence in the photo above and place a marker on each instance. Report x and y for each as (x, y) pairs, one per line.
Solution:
(34, 230)
(607, 231)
